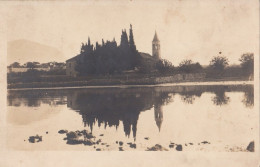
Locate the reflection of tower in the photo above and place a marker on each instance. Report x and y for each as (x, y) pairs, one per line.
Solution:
(158, 115)
(156, 47)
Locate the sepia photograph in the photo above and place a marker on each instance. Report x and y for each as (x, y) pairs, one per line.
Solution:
(179, 77)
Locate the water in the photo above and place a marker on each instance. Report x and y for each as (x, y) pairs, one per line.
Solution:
(223, 117)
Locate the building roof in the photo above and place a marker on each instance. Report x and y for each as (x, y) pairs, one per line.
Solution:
(74, 58)
(155, 38)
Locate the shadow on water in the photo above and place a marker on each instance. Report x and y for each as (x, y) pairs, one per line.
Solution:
(109, 106)
(220, 97)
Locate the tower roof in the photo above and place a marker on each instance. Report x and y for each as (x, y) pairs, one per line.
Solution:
(155, 38)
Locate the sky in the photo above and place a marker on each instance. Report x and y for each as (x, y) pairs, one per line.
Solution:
(187, 29)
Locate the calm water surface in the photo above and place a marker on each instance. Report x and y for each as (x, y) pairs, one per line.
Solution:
(223, 116)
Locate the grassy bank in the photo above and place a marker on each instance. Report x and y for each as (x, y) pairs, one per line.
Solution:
(64, 81)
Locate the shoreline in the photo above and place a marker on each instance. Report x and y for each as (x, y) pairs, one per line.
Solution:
(195, 83)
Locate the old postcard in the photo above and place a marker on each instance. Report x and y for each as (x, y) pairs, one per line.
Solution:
(130, 83)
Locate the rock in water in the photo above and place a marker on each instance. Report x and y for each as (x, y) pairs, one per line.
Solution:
(157, 147)
(88, 142)
(133, 145)
(33, 139)
(179, 147)
(62, 131)
(74, 141)
(98, 141)
(171, 145)
(251, 146)
(205, 142)
(72, 135)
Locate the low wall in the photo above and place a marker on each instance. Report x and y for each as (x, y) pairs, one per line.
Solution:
(26, 69)
(180, 77)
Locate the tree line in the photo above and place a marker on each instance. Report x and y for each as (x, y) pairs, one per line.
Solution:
(33, 64)
(108, 57)
(218, 66)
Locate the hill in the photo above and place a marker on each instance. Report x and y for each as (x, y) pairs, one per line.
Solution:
(24, 50)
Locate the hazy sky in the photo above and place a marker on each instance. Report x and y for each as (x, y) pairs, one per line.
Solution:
(187, 29)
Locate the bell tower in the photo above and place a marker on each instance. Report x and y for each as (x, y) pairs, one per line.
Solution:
(156, 47)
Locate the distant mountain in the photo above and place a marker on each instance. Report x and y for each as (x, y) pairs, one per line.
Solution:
(24, 50)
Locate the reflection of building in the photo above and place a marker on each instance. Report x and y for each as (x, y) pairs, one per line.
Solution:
(158, 115)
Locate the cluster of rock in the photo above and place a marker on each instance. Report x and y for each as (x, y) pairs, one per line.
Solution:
(178, 147)
(80, 137)
(120, 143)
(86, 138)
(157, 147)
(33, 139)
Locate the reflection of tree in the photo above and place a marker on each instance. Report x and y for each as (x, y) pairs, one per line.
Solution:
(110, 106)
(14, 102)
(33, 102)
(162, 98)
(248, 100)
(220, 98)
(36, 97)
(189, 97)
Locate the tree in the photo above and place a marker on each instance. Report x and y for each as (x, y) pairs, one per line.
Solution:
(184, 66)
(164, 66)
(188, 66)
(247, 63)
(32, 65)
(15, 65)
(131, 39)
(219, 63)
(108, 58)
